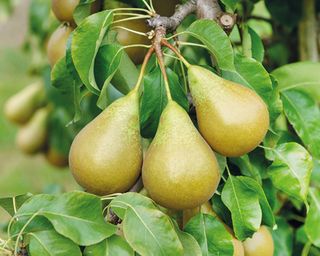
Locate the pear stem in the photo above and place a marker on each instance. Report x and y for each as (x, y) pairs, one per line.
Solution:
(176, 51)
(157, 46)
(143, 69)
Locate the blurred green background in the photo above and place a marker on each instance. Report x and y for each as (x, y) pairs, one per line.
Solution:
(20, 173)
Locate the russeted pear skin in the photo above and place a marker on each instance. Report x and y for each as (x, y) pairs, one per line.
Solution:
(260, 244)
(21, 106)
(106, 156)
(32, 137)
(232, 118)
(180, 171)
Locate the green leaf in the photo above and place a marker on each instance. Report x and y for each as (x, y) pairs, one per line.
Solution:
(304, 115)
(291, 170)
(86, 41)
(283, 238)
(216, 40)
(246, 167)
(312, 227)
(82, 10)
(113, 65)
(61, 78)
(232, 4)
(244, 205)
(112, 246)
(126, 75)
(154, 99)
(255, 75)
(304, 76)
(50, 243)
(70, 217)
(121, 203)
(12, 204)
(256, 45)
(189, 243)
(156, 235)
(211, 235)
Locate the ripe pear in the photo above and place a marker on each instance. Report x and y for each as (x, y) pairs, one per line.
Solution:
(232, 118)
(56, 158)
(261, 243)
(206, 208)
(20, 107)
(63, 9)
(32, 137)
(56, 47)
(106, 156)
(180, 170)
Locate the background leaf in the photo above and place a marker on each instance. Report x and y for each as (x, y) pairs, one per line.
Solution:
(154, 99)
(50, 243)
(304, 115)
(70, 217)
(282, 238)
(112, 246)
(12, 204)
(86, 41)
(291, 170)
(244, 207)
(216, 40)
(156, 234)
(304, 76)
(211, 235)
(256, 45)
(312, 226)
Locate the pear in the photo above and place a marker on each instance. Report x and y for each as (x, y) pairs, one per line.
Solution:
(260, 244)
(180, 170)
(63, 9)
(20, 107)
(32, 137)
(232, 118)
(55, 158)
(57, 44)
(106, 156)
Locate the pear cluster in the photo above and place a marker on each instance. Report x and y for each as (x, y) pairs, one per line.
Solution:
(29, 110)
(179, 170)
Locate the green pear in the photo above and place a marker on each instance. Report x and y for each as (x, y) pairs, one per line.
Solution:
(106, 156)
(57, 44)
(180, 170)
(32, 137)
(232, 118)
(56, 158)
(261, 243)
(20, 107)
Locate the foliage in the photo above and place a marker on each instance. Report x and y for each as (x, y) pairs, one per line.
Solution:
(268, 186)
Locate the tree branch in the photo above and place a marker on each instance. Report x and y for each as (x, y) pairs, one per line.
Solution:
(205, 9)
(171, 23)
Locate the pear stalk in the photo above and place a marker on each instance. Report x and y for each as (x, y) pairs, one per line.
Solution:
(143, 69)
(175, 50)
(163, 70)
